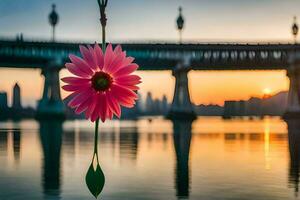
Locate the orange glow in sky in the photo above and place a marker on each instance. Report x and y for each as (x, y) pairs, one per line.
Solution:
(206, 87)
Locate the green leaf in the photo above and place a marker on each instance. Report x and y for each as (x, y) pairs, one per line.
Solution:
(95, 179)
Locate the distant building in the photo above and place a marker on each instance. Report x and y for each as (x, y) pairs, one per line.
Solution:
(16, 97)
(149, 103)
(241, 110)
(164, 104)
(268, 105)
(3, 101)
(139, 103)
(237, 108)
(209, 110)
(156, 107)
(230, 109)
(254, 107)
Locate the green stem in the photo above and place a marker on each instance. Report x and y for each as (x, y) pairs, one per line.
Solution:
(103, 39)
(96, 138)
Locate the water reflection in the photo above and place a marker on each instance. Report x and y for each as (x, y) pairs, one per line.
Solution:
(182, 140)
(216, 159)
(3, 142)
(69, 141)
(129, 139)
(51, 140)
(17, 144)
(294, 148)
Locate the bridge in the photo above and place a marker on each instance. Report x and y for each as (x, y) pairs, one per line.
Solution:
(180, 58)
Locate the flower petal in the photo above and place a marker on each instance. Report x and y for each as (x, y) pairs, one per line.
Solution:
(131, 87)
(72, 88)
(115, 65)
(128, 61)
(94, 57)
(83, 106)
(88, 56)
(124, 92)
(99, 55)
(124, 96)
(91, 107)
(118, 49)
(76, 70)
(113, 104)
(102, 107)
(108, 57)
(81, 64)
(75, 80)
(109, 114)
(80, 98)
(128, 80)
(126, 70)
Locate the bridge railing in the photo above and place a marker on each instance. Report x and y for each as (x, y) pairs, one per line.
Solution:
(169, 54)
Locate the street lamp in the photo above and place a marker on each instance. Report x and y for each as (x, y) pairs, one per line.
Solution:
(180, 24)
(53, 20)
(295, 29)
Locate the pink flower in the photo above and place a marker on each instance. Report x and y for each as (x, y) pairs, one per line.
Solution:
(102, 82)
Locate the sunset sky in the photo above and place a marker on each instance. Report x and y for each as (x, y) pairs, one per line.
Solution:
(145, 20)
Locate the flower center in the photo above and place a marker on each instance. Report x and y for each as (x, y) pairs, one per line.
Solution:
(101, 81)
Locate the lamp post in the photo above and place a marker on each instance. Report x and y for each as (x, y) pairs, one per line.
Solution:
(53, 20)
(295, 29)
(180, 24)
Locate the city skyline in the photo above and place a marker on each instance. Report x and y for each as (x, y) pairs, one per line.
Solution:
(206, 87)
(268, 105)
(145, 104)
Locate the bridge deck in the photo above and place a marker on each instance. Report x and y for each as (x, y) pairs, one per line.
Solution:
(156, 56)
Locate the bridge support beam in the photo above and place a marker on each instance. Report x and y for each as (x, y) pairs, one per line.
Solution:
(293, 106)
(51, 105)
(181, 107)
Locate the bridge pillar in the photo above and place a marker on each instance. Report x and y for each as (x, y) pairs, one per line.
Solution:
(51, 105)
(181, 107)
(293, 106)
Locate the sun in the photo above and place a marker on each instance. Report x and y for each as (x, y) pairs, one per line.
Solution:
(267, 91)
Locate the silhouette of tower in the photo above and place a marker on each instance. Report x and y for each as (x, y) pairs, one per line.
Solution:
(17, 97)
(149, 102)
(182, 139)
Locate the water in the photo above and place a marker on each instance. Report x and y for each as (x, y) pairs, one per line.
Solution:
(158, 159)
